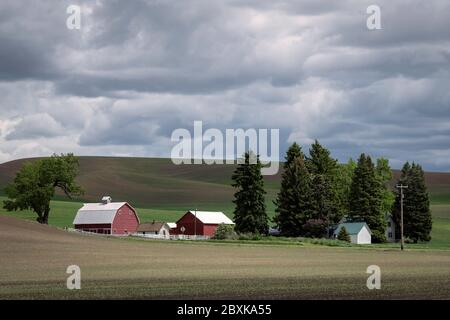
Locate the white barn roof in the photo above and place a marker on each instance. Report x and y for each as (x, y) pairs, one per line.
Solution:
(211, 217)
(97, 213)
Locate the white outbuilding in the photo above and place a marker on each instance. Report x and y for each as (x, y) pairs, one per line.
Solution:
(359, 232)
(155, 229)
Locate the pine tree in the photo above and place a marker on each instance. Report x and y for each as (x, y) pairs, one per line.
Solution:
(417, 219)
(343, 182)
(343, 235)
(320, 161)
(366, 198)
(323, 170)
(250, 212)
(294, 199)
(384, 176)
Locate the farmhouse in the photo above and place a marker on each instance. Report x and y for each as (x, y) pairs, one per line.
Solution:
(359, 232)
(155, 228)
(390, 229)
(202, 223)
(107, 217)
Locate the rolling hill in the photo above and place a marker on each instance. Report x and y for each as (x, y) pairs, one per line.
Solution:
(152, 182)
(158, 183)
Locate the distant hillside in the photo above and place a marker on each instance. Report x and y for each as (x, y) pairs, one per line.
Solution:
(151, 182)
(155, 182)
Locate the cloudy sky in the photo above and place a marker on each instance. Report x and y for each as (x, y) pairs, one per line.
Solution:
(137, 70)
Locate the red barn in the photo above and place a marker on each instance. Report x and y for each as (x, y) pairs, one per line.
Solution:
(202, 223)
(107, 217)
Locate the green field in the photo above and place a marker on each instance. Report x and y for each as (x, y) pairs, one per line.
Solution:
(63, 213)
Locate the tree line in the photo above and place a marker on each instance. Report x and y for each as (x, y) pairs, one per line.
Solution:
(317, 192)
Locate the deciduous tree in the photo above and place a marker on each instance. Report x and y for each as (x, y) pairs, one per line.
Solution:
(35, 184)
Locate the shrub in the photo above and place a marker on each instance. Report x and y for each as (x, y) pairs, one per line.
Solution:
(378, 237)
(315, 228)
(225, 231)
(343, 235)
(250, 236)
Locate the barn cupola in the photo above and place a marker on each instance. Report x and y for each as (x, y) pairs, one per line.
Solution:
(106, 199)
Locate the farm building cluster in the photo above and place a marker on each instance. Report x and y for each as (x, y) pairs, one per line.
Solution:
(121, 219)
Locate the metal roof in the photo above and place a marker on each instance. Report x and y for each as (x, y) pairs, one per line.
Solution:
(211, 217)
(172, 225)
(97, 213)
(352, 227)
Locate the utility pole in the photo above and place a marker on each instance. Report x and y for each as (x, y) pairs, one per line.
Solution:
(401, 187)
(195, 223)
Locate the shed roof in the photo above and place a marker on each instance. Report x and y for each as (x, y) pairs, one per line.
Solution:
(172, 225)
(211, 217)
(97, 213)
(352, 227)
(154, 226)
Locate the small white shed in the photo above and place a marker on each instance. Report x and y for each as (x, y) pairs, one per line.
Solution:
(155, 229)
(359, 232)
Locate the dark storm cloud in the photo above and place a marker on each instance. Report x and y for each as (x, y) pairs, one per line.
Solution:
(19, 60)
(139, 69)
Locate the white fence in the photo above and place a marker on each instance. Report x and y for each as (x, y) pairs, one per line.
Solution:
(147, 236)
(172, 237)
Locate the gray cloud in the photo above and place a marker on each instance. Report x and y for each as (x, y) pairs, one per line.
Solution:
(138, 70)
(36, 126)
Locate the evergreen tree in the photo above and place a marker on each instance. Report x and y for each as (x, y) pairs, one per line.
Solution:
(366, 198)
(294, 199)
(250, 212)
(384, 176)
(325, 197)
(320, 161)
(343, 235)
(417, 220)
(343, 182)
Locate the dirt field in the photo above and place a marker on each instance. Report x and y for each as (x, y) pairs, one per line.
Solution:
(34, 259)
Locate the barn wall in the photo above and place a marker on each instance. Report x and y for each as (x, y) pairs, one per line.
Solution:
(97, 228)
(188, 222)
(81, 226)
(126, 221)
(209, 229)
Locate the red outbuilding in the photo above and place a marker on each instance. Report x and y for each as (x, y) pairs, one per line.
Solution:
(107, 217)
(202, 223)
